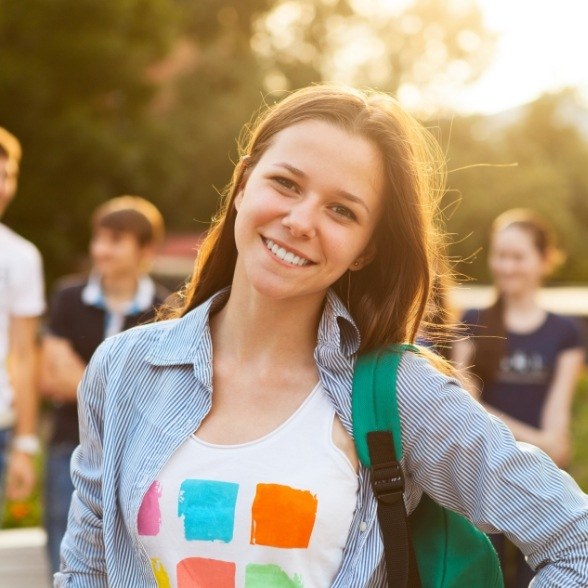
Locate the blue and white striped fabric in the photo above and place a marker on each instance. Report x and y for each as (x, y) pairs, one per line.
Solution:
(147, 389)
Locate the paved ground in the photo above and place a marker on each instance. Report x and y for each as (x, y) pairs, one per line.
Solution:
(23, 563)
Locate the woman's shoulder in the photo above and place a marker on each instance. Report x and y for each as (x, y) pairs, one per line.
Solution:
(561, 320)
(145, 334)
(416, 371)
(470, 314)
(429, 399)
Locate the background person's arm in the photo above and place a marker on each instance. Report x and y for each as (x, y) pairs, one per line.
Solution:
(22, 367)
(61, 369)
(553, 435)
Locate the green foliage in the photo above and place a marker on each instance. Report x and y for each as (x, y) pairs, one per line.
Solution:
(579, 466)
(103, 104)
(75, 90)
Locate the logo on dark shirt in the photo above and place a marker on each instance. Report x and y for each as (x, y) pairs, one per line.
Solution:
(522, 368)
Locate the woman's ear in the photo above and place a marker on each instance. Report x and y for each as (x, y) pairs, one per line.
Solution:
(365, 258)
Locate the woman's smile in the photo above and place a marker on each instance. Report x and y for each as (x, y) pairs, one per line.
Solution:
(283, 254)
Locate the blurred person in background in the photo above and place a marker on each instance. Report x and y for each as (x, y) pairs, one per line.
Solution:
(22, 302)
(524, 360)
(117, 295)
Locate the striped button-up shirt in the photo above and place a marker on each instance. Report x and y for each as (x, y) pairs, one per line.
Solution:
(149, 388)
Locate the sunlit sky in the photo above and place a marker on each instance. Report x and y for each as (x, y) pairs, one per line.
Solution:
(542, 46)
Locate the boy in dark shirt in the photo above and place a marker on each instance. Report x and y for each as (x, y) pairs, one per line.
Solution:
(117, 295)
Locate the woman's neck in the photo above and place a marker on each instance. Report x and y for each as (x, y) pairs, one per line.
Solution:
(521, 302)
(252, 328)
(522, 313)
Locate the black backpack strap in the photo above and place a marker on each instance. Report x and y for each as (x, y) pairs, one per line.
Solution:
(388, 487)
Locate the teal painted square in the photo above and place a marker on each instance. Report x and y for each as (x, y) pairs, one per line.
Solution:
(208, 509)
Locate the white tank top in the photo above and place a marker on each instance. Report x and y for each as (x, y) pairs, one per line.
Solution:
(271, 513)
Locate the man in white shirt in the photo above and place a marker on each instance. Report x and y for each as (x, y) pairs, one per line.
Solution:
(22, 302)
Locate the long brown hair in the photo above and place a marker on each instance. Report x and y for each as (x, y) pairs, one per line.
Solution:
(388, 297)
(490, 346)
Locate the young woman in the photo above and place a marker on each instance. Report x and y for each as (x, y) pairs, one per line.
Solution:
(117, 295)
(525, 360)
(216, 447)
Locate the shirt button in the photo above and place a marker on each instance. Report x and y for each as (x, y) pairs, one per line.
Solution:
(363, 526)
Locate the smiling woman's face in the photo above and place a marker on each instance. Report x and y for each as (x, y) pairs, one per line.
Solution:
(515, 262)
(307, 211)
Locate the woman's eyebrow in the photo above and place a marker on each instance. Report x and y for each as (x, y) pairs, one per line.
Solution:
(341, 193)
(291, 168)
(352, 198)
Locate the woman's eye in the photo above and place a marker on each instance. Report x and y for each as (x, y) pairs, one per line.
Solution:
(285, 183)
(343, 211)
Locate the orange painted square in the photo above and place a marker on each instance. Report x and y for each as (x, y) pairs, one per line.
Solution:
(199, 572)
(282, 516)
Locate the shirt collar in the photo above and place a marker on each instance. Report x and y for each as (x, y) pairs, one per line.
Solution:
(180, 343)
(337, 328)
(93, 295)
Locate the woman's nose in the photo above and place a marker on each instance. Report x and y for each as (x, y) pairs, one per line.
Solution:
(301, 219)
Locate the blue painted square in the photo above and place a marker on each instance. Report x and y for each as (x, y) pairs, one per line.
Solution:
(208, 508)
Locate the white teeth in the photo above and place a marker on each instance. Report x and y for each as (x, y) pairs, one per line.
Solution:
(284, 255)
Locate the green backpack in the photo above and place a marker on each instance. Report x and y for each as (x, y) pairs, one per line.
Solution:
(438, 548)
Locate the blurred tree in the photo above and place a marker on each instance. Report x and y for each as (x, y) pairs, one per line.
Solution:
(210, 86)
(419, 50)
(549, 151)
(74, 89)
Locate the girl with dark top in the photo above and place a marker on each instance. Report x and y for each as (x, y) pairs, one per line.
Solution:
(524, 360)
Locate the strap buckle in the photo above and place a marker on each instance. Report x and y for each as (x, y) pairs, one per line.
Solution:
(388, 482)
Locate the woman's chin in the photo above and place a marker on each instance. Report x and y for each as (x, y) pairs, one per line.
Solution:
(280, 291)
